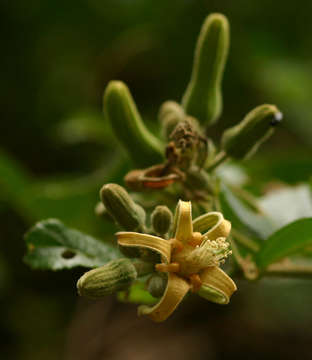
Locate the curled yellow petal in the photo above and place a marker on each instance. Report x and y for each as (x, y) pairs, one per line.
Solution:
(217, 286)
(175, 291)
(183, 226)
(214, 220)
(133, 239)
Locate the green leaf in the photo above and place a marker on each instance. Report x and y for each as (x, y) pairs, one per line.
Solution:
(51, 245)
(34, 199)
(289, 240)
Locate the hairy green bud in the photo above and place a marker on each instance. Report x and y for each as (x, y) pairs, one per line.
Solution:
(156, 285)
(161, 219)
(120, 110)
(118, 203)
(113, 276)
(203, 98)
(258, 125)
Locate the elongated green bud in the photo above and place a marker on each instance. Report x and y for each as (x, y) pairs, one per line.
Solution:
(156, 285)
(114, 276)
(203, 98)
(161, 219)
(258, 125)
(118, 203)
(120, 110)
(170, 114)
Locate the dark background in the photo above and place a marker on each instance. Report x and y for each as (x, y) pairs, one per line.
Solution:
(56, 151)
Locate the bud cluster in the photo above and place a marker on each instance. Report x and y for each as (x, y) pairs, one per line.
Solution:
(180, 165)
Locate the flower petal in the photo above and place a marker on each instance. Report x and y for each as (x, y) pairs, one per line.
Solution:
(183, 227)
(217, 286)
(133, 239)
(175, 291)
(214, 220)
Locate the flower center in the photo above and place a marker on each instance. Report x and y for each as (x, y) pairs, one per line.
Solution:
(188, 259)
(183, 256)
(180, 264)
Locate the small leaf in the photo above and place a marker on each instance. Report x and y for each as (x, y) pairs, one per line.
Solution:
(51, 245)
(289, 240)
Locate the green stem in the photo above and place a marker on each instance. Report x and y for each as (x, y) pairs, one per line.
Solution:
(288, 269)
(220, 158)
(217, 204)
(247, 197)
(245, 240)
(248, 267)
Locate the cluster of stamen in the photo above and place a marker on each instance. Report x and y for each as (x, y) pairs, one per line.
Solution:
(214, 252)
(203, 253)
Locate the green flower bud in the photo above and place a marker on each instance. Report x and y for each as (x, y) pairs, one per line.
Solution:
(118, 203)
(114, 276)
(156, 285)
(199, 179)
(258, 125)
(161, 219)
(120, 110)
(170, 114)
(203, 98)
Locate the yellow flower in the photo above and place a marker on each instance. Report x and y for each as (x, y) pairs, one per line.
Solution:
(191, 259)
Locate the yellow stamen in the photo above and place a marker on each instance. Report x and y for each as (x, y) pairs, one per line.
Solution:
(195, 282)
(176, 245)
(172, 267)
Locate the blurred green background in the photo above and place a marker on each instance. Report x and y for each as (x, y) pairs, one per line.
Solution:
(56, 151)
